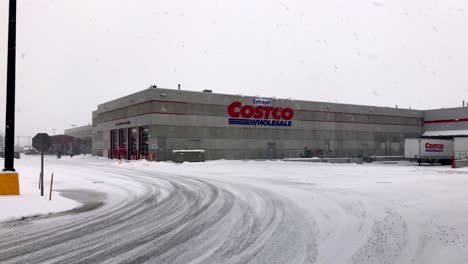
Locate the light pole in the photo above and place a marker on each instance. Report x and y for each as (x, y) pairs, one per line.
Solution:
(10, 97)
(9, 183)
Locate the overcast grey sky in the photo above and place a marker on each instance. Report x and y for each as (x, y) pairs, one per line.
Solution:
(73, 55)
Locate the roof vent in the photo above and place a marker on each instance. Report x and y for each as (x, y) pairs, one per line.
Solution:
(208, 91)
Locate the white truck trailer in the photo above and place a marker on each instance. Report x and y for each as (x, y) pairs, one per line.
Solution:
(429, 149)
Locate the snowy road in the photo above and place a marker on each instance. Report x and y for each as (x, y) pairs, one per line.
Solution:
(233, 214)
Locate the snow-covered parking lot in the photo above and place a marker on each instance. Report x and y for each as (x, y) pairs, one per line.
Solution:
(236, 212)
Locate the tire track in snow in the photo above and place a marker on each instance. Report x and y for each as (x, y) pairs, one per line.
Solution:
(198, 222)
(388, 238)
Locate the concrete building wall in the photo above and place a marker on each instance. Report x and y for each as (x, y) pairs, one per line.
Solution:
(80, 132)
(85, 134)
(446, 119)
(189, 120)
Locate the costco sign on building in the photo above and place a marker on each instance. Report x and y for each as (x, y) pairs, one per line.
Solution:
(261, 113)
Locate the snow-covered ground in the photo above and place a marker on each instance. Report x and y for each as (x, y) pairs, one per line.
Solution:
(31, 203)
(66, 177)
(261, 211)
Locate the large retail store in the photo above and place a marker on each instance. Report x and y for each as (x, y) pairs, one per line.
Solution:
(150, 124)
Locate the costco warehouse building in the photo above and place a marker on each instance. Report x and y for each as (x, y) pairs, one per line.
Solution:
(152, 123)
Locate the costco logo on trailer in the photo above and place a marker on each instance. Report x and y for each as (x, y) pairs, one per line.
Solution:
(434, 147)
(259, 115)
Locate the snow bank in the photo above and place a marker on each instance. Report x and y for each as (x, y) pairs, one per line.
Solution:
(30, 203)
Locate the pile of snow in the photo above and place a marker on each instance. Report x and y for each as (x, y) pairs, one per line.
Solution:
(30, 203)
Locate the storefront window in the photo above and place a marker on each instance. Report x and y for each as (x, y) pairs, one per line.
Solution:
(123, 138)
(144, 136)
(133, 150)
(114, 143)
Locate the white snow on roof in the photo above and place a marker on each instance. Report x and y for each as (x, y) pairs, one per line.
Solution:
(462, 132)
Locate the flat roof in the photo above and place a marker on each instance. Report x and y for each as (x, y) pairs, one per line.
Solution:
(446, 133)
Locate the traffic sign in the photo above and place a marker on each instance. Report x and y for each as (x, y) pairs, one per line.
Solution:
(41, 142)
(41, 139)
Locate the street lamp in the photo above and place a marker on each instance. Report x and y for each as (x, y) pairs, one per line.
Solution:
(9, 183)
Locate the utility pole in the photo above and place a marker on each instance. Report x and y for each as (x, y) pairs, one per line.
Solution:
(9, 183)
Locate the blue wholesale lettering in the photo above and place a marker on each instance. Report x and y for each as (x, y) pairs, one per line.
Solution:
(259, 122)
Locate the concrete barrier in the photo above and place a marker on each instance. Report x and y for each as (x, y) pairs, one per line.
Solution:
(190, 155)
(327, 160)
(386, 158)
(460, 163)
(9, 183)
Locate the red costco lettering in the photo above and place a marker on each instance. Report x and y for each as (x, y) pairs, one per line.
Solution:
(434, 146)
(287, 113)
(232, 109)
(277, 113)
(236, 109)
(247, 111)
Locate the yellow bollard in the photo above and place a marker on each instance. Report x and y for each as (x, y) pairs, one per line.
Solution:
(51, 183)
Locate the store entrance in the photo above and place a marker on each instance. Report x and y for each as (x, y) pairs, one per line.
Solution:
(129, 143)
(144, 138)
(133, 143)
